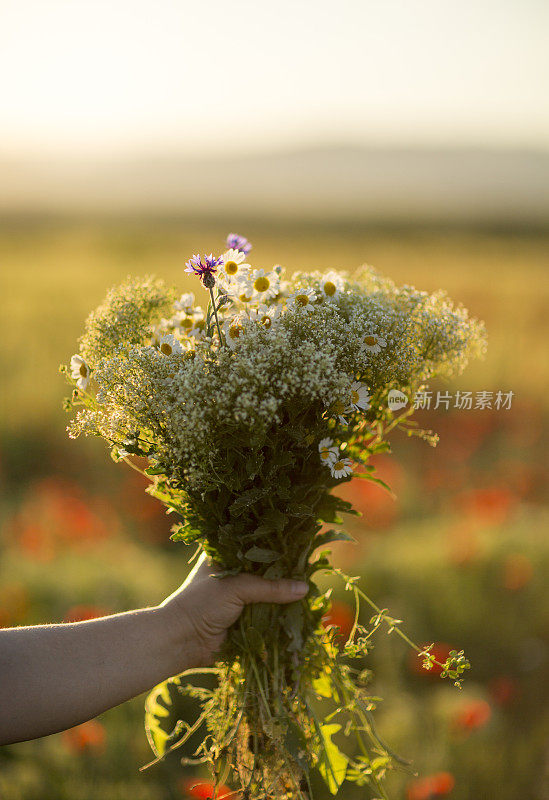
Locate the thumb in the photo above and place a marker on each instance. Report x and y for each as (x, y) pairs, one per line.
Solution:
(255, 589)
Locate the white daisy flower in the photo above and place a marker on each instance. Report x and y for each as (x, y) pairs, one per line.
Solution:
(198, 329)
(167, 324)
(185, 302)
(331, 285)
(185, 323)
(170, 345)
(285, 288)
(265, 285)
(265, 315)
(328, 451)
(303, 299)
(234, 265)
(233, 329)
(338, 409)
(341, 468)
(360, 399)
(243, 291)
(80, 372)
(373, 343)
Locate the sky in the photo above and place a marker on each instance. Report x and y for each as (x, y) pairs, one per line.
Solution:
(111, 77)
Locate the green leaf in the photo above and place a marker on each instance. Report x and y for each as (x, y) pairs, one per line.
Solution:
(246, 499)
(333, 763)
(328, 509)
(275, 518)
(300, 510)
(292, 620)
(157, 715)
(261, 555)
(375, 480)
(323, 685)
(184, 532)
(296, 744)
(331, 536)
(154, 470)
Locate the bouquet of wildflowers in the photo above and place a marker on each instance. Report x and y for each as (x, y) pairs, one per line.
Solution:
(249, 414)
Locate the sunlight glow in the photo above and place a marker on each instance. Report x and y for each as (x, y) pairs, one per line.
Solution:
(117, 75)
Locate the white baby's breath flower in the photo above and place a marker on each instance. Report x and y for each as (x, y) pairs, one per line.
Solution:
(372, 343)
(331, 285)
(80, 372)
(170, 345)
(233, 329)
(360, 398)
(341, 468)
(185, 302)
(302, 299)
(327, 451)
(265, 285)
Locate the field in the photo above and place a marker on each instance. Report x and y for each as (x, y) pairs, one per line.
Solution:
(462, 555)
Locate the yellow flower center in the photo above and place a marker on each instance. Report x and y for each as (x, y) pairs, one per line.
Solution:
(187, 323)
(166, 348)
(261, 284)
(302, 299)
(329, 288)
(244, 298)
(234, 331)
(338, 407)
(339, 465)
(370, 340)
(266, 321)
(355, 397)
(324, 453)
(231, 267)
(83, 371)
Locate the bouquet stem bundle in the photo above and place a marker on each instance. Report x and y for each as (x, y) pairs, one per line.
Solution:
(249, 415)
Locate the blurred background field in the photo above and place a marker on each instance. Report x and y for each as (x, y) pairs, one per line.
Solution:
(409, 135)
(462, 554)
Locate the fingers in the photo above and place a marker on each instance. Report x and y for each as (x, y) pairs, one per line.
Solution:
(254, 589)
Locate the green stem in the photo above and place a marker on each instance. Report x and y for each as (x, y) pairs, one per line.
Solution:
(216, 317)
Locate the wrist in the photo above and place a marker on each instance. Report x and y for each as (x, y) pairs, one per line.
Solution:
(177, 640)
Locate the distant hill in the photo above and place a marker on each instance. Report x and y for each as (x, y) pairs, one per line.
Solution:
(375, 184)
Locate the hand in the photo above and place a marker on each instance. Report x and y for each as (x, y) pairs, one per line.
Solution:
(205, 606)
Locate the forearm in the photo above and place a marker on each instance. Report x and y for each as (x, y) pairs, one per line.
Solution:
(56, 676)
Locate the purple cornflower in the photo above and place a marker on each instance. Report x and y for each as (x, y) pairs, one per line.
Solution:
(236, 242)
(205, 269)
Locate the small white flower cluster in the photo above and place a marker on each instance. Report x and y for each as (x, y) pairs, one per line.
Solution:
(314, 352)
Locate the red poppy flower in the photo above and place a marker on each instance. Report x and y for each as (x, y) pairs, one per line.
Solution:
(473, 715)
(503, 690)
(84, 612)
(437, 785)
(204, 790)
(518, 571)
(342, 616)
(90, 736)
(491, 505)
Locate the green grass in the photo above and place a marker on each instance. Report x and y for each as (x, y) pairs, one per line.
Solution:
(53, 275)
